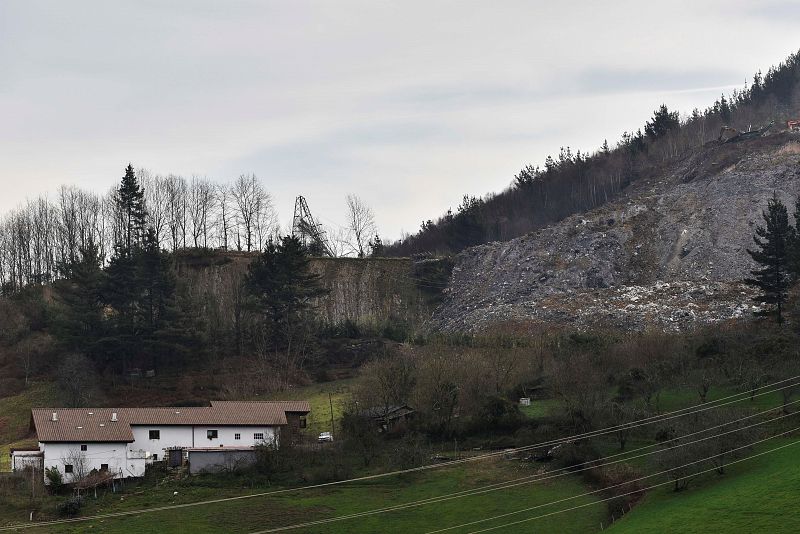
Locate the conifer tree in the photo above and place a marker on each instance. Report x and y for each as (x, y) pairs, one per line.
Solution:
(166, 330)
(772, 277)
(129, 200)
(79, 325)
(794, 248)
(282, 288)
(662, 122)
(156, 282)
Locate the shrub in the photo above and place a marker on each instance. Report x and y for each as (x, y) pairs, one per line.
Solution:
(70, 507)
(498, 414)
(55, 478)
(574, 454)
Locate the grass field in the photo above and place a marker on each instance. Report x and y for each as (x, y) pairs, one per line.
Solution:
(675, 399)
(758, 495)
(320, 396)
(15, 416)
(266, 512)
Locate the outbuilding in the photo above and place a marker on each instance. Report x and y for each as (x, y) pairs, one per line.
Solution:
(219, 459)
(22, 458)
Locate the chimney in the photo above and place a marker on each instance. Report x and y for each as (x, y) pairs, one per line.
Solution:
(55, 416)
(113, 416)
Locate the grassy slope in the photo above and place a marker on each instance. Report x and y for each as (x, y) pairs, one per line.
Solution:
(319, 420)
(753, 496)
(675, 399)
(759, 495)
(265, 512)
(15, 415)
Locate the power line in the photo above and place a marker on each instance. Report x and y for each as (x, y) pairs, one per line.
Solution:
(533, 478)
(634, 424)
(623, 494)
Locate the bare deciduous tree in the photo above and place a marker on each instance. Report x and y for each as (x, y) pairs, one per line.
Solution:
(175, 188)
(155, 192)
(80, 465)
(201, 202)
(222, 200)
(252, 203)
(360, 225)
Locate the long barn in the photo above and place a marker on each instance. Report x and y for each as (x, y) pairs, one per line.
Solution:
(123, 441)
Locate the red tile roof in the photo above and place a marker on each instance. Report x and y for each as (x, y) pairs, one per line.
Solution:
(95, 424)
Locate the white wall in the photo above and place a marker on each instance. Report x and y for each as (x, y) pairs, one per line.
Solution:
(170, 436)
(131, 458)
(21, 459)
(96, 454)
(197, 436)
(227, 436)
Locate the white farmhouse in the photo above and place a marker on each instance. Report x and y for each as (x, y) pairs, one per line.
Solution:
(123, 441)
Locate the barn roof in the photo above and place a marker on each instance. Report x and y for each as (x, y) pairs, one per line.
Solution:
(95, 424)
(293, 406)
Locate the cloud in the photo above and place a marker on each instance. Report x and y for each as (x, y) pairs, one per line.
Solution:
(411, 104)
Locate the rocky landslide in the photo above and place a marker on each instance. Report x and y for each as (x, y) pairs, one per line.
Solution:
(669, 253)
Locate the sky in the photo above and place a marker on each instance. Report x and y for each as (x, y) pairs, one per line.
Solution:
(408, 104)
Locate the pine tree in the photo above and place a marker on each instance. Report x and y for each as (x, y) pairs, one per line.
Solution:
(724, 109)
(120, 294)
(282, 288)
(168, 329)
(79, 325)
(794, 243)
(122, 289)
(156, 282)
(662, 122)
(129, 200)
(772, 255)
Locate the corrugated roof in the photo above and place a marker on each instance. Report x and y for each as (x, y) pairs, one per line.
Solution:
(288, 405)
(94, 424)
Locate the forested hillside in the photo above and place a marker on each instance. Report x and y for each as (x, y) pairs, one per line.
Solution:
(575, 181)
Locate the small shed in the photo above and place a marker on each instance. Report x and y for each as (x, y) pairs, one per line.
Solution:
(219, 459)
(22, 458)
(389, 417)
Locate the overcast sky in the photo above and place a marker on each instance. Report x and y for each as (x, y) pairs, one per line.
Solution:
(409, 104)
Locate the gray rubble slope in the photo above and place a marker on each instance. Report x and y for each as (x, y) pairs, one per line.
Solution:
(669, 253)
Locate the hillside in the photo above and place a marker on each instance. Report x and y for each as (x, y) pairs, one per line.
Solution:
(669, 252)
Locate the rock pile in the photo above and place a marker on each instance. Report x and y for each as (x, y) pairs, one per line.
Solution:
(670, 253)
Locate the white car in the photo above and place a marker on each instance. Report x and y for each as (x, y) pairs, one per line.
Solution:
(325, 437)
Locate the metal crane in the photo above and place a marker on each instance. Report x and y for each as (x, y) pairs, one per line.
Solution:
(306, 229)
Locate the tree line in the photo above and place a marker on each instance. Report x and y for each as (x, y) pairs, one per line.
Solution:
(41, 237)
(576, 181)
(131, 312)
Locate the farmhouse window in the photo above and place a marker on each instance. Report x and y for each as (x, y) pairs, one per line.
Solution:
(237, 436)
(83, 447)
(103, 467)
(258, 436)
(212, 434)
(68, 468)
(155, 434)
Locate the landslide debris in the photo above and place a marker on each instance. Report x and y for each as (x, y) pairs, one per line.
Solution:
(669, 253)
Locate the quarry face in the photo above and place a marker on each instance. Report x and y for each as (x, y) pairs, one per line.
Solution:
(670, 253)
